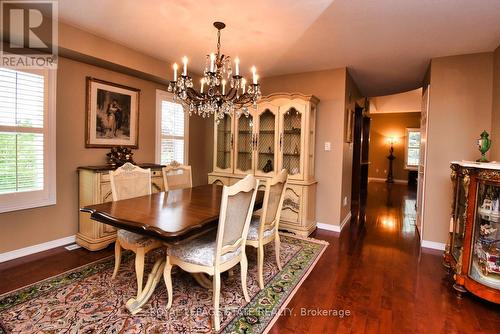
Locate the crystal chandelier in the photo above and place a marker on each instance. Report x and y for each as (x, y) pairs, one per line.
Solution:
(221, 92)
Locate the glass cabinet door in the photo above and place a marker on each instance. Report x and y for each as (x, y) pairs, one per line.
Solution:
(291, 139)
(245, 140)
(266, 140)
(224, 145)
(460, 216)
(485, 253)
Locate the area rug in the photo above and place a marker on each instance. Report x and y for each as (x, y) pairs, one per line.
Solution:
(87, 300)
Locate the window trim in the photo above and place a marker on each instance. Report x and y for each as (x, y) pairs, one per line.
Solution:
(407, 137)
(162, 95)
(38, 198)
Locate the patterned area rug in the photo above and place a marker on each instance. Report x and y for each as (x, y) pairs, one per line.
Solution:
(86, 300)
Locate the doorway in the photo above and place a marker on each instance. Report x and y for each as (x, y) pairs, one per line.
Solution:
(360, 163)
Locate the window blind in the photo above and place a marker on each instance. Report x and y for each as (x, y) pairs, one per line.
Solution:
(172, 132)
(21, 131)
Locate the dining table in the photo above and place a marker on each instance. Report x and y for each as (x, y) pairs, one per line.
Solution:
(172, 216)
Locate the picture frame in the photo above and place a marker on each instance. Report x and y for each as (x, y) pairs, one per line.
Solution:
(349, 125)
(112, 114)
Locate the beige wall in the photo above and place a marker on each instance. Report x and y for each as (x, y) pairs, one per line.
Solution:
(402, 102)
(460, 109)
(495, 119)
(329, 87)
(390, 125)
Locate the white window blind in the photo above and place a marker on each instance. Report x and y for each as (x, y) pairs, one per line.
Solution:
(172, 130)
(24, 140)
(412, 148)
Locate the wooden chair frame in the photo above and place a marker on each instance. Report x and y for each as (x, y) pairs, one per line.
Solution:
(261, 241)
(249, 183)
(140, 251)
(174, 166)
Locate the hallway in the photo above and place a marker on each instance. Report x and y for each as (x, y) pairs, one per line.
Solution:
(378, 272)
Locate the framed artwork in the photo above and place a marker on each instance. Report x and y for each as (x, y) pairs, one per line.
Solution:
(349, 125)
(112, 113)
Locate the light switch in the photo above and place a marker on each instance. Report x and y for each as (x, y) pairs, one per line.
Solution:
(328, 146)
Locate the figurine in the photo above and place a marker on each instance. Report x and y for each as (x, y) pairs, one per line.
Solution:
(484, 144)
(268, 166)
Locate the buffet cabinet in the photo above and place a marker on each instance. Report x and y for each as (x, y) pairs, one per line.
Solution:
(94, 188)
(278, 134)
(473, 250)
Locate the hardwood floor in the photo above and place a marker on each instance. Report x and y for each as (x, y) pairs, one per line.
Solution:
(375, 270)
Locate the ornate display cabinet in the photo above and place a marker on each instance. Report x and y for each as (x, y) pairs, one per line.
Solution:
(473, 250)
(93, 188)
(279, 134)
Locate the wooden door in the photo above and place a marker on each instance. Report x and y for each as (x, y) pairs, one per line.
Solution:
(422, 161)
(224, 144)
(266, 131)
(292, 121)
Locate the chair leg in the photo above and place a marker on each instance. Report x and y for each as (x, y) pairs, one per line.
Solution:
(244, 269)
(260, 265)
(277, 246)
(216, 288)
(118, 258)
(139, 268)
(167, 277)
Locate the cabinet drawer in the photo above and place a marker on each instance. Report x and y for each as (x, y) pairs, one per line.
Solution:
(223, 181)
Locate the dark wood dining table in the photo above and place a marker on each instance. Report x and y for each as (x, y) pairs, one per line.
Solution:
(171, 216)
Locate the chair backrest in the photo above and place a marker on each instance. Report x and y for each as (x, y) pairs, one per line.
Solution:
(177, 176)
(273, 202)
(235, 214)
(130, 181)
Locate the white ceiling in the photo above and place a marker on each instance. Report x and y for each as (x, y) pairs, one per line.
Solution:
(387, 44)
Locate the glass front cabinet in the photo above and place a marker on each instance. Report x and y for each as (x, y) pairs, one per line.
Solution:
(473, 250)
(278, 134)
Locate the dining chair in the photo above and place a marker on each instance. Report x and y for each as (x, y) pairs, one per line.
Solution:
(264, 229)
(214, 253)
(130, 181)
(177, 176)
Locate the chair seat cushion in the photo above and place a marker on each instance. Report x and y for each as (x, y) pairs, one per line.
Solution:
(200, 250)
(136, 239)
(253, 231)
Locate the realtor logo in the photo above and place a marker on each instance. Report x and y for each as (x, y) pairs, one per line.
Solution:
(29, 34)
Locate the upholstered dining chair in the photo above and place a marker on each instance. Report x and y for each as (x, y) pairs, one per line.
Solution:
(177, 176)
(130, 181)
(214, 253)
(264, 229)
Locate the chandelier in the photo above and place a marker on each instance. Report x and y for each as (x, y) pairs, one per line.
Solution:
(220, 92)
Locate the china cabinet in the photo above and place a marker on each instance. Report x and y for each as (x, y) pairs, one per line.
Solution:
(473, 250)
(94, 188)
(279, 134)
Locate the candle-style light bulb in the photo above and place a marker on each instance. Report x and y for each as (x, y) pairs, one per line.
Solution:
(254, 75)
(212, 62)
(185, 63)
(237, 66)
(243, 83)
(175, 66)
(202, 84)
(256, 79)
(223, 87)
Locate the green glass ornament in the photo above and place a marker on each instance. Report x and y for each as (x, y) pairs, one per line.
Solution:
(484, 144)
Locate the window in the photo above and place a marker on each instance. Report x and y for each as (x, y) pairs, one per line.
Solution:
(412, 148)
(172, 125)
(27, 139)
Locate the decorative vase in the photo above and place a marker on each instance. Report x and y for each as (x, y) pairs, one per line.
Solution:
(484, 144)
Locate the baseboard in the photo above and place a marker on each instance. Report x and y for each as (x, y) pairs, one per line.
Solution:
(334, 228)
(378, 179)
(7, 256)
(432, 245)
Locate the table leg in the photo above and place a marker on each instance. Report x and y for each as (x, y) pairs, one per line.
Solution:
(134, 304)
(203, 279)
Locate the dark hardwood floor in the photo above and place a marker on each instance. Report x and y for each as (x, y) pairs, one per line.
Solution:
(374, 271)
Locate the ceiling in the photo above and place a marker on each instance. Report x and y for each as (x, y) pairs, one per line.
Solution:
(387, 44)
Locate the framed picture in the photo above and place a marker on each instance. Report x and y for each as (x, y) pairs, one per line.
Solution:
(112, 114)
(349, 125)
